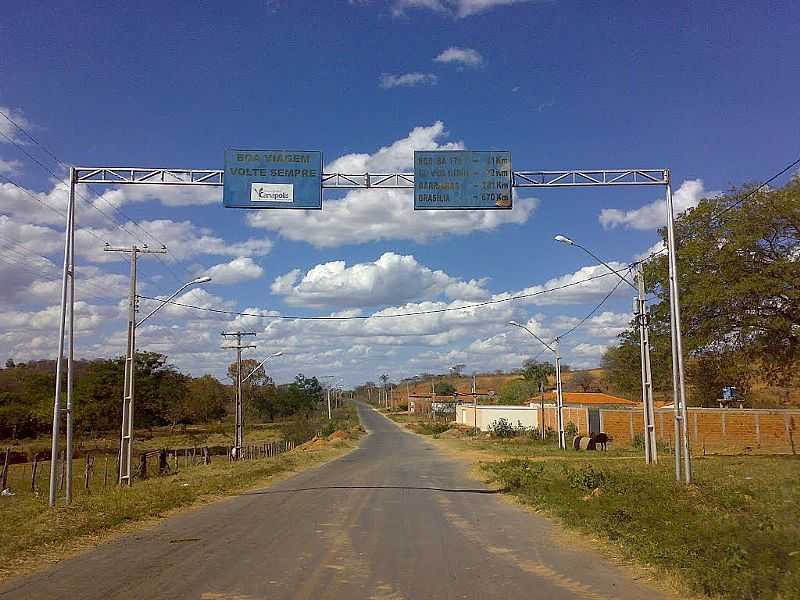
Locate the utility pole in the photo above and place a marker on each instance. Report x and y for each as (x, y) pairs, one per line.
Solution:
(562, 442)
(643, 318)
(238, 434)
(126, 435)
(67, 292)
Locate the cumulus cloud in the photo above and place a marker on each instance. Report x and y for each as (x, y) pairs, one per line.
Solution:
(9, 130)
(10, 166)
(462, 56)
(383, 214)
(654, 215)
(185, 239)
(242, 268)
(392, 278)
(389, 80)
(456, 8)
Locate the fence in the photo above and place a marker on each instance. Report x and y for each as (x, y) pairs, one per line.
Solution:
(98, 471)
(712, 429)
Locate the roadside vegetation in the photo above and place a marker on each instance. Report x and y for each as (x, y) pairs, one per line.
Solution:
(734, 534)
(32, 533)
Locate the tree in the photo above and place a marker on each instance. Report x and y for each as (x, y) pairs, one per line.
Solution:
(537, 372)
(208, 399)
(444, 389)
(518, 391)
(10, 363)
(583, 381)
(738, 270)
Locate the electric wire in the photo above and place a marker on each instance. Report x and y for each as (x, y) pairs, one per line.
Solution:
(377, 316)
(98, 196)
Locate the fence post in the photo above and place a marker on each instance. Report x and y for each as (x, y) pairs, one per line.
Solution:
(34, 472)
(105, 472)
(4, 475)
(163, 466)
(143, 466)
(88, 471)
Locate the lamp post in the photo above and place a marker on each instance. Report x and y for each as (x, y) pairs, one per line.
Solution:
(642, 320)
(562, 442)
(126, 438)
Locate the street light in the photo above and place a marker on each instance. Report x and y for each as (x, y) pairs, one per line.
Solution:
(198, 281)
(642, 317)
(126, 438)
(562, 443)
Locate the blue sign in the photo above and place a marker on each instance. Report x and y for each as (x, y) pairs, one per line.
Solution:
(272, 179)
(462, 179)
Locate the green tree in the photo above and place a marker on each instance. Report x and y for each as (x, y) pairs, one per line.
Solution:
(444, 388)
(738, 270)
(537, 372)
(518, 391)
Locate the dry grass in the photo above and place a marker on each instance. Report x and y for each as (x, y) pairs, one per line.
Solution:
(31, 533)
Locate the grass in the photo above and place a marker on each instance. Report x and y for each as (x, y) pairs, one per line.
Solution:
(733, 534)
(31, 531)
(189, 436)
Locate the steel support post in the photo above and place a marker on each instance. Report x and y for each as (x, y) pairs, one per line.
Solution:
(70, 360)
(678, 380)
(562, 442)
(642, 316)
(68, 237)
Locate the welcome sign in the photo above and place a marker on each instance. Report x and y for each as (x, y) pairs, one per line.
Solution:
(272, 179)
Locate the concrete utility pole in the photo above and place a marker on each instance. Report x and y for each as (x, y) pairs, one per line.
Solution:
(126, 435)
(238, 433)
(559, 392)
(642, 320)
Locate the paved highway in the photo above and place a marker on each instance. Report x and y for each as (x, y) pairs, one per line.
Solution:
(393, 520)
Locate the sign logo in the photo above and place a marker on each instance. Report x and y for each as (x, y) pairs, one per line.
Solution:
(271, 192)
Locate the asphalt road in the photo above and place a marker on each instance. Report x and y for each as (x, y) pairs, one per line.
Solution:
(395, 519)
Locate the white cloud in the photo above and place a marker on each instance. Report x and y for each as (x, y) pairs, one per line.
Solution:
(238, 270)
(392, 278)
(168, 195)
(8, 129)
(383, 214)
(10, 166)
(654, 215)
(185, 239)
(397, 156)
(456, 8)
(462, 56)
(389, 80)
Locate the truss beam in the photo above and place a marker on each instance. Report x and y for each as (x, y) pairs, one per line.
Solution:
(521, 179)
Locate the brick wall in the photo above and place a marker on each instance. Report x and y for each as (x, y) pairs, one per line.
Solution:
(712, 429)
(577, 414)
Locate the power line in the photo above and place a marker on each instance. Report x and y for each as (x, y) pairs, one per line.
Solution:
(375, 316)
(43, 203)
(756, 189)
(594, 310)
(98, 196)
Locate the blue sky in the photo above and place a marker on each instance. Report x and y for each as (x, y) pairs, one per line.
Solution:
(706, 89)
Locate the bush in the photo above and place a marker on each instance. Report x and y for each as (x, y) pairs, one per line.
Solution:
(502, 428)
(432, 428)
(516, 473)
(585, 477)
(570, 430)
